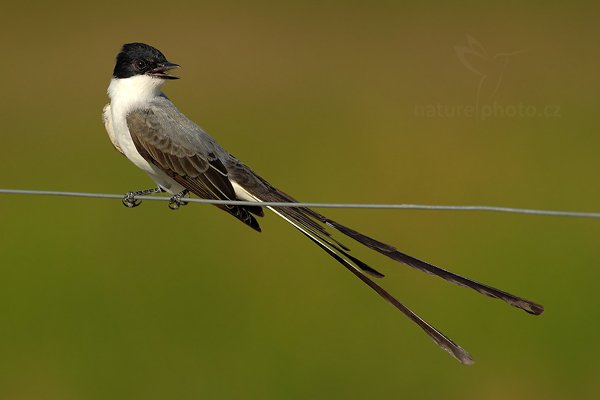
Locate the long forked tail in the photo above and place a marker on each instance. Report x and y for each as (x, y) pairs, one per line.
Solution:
(355, 266)
(313, 225)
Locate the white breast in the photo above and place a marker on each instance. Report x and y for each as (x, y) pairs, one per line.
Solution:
(127, 95)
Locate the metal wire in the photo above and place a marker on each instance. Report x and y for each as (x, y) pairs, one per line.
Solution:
(512, 210)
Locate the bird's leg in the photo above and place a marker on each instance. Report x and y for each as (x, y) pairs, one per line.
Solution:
(175, 201)
(130, 201)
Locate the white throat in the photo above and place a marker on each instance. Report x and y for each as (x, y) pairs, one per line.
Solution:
(128, 92)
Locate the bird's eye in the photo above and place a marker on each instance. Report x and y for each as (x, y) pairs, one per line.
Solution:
(140, 64)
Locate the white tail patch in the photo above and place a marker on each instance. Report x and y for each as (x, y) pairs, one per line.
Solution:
(243, 194)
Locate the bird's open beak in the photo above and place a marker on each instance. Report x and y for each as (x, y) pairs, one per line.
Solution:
(161, 69)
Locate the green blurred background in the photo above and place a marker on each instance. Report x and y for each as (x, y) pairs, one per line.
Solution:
(325, 100)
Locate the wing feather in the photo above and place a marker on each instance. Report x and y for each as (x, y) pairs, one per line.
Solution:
(167, 139)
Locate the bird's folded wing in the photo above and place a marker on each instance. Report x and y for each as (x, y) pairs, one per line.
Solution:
(167, 139)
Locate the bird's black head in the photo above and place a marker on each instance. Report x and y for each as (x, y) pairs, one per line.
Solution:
(142, 59)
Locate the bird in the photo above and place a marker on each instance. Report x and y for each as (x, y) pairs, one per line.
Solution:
(181, 158)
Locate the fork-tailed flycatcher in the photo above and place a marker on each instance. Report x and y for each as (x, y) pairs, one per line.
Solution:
(145, 126)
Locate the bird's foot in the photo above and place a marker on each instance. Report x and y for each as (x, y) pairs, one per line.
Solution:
(176, 201)
(130, 201)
